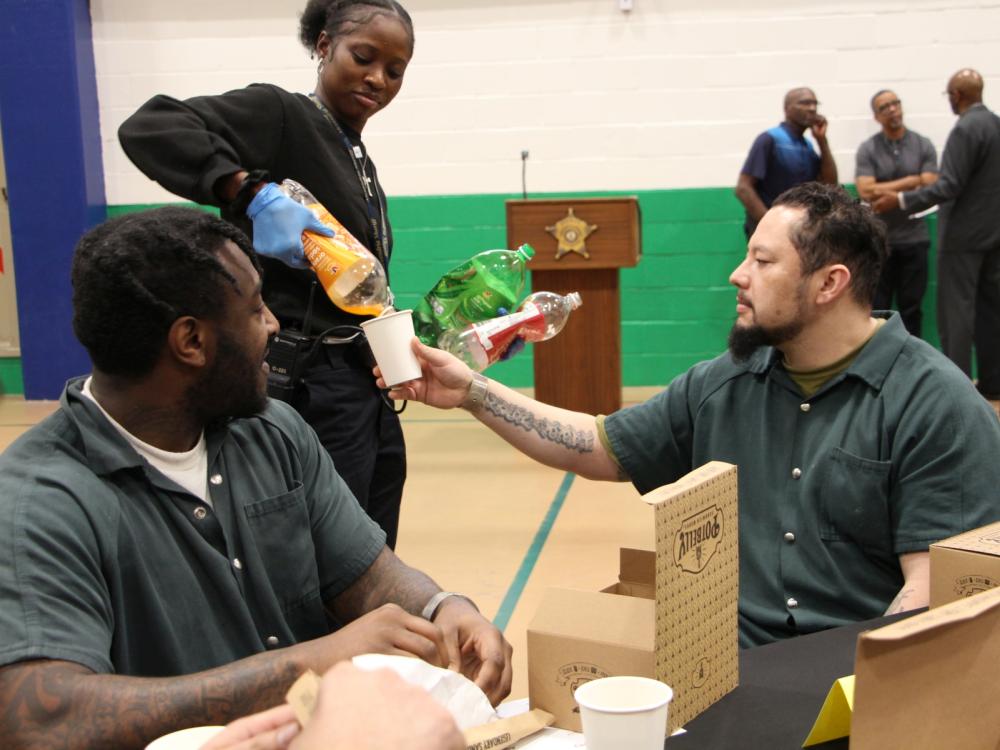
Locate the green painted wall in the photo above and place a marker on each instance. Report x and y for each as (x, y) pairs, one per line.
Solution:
(11, 382)
(677, 304)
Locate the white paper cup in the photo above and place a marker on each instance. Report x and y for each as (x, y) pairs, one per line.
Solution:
(185, 739)
(389, 336)
(624, 713)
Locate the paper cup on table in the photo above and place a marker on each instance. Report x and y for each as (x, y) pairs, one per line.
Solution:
(389, 336)
(624, 713)
(185, 739)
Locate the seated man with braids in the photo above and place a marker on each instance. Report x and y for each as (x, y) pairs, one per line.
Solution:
(177, 548)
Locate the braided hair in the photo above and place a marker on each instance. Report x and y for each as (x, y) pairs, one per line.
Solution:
(339, 17)
(133, 276)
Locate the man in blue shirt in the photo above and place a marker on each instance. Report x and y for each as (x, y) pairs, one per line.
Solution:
(781, 157)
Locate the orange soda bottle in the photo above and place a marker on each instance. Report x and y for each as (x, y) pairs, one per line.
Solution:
(352, 277)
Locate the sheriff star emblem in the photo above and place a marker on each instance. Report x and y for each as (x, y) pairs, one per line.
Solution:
(571, 232)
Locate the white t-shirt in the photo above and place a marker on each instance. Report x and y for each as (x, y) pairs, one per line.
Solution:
(189, 469)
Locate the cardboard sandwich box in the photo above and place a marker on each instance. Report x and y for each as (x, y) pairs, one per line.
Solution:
(929, 681)
(671, 615)
(965, 564)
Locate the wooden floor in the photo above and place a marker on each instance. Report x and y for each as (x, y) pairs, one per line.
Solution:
(484, 520)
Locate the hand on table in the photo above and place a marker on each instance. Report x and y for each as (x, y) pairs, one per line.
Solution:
(359, 710)
(355, 710)
(476, 647)
(273, 729)
(392, 630)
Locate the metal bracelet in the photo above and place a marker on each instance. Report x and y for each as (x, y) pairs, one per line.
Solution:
(430, 609)
(478, 388)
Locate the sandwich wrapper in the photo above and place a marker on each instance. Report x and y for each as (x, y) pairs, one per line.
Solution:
(460, 695)
(468, 705)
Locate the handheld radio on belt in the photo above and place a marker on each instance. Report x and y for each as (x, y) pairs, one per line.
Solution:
(290, 352)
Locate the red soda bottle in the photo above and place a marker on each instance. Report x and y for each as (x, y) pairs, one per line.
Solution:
(541, 316)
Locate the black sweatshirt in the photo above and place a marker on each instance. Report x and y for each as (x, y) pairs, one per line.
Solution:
(186, 146)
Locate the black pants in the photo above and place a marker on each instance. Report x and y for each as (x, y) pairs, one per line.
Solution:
(362, 434)
(904, 279)
(969, 313)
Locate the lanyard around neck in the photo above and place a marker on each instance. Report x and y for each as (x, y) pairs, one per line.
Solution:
(370, 188)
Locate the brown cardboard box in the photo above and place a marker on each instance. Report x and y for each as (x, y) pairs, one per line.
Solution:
(966, 564)
(930, 681)
(671, 615)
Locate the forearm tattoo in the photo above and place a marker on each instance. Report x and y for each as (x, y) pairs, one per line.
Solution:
(58, 705)
(899, 604)
(580, 441)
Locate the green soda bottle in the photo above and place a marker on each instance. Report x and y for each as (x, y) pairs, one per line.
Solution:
(472, 292)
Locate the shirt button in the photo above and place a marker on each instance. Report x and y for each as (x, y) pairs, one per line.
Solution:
(789, 537)
(792, 602)
(796, 473)
(805, 407)
(215, 479)
(237, 564)
(200, 513)
(272, 641)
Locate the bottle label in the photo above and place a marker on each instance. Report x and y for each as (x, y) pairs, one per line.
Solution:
(497, 334)
(471, 292)
(330, 257)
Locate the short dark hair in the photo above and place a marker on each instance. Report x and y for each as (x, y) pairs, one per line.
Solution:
(133, 276)
(339, 17)
(877, 95)
(837, 228)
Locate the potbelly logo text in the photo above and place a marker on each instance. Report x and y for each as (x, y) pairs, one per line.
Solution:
(575, 674)
(969, 585)
(697, 539)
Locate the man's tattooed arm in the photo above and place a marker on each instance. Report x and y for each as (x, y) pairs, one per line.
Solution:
(551, 430)
(915, 590)
(899, 604)
(560, 438)
(59, 705)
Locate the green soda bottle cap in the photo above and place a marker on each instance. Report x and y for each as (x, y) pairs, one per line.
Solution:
(526, 251)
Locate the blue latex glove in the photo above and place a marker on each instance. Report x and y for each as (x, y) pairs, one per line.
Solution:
(515, 346)
(278, 224)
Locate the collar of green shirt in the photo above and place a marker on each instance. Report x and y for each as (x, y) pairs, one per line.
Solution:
(872, 364)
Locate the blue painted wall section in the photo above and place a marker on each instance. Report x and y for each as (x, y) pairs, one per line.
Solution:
(49, 114)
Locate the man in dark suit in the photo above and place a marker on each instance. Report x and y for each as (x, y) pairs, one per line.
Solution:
(968, 233)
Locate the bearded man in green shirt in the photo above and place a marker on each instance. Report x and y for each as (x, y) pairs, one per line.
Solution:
(857, 444)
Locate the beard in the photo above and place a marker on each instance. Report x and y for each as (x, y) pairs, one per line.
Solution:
(233, 387)
(745, 340)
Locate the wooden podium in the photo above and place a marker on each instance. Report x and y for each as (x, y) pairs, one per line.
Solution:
(580, 244)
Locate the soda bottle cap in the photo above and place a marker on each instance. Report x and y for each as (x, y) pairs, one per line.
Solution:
(526, 251)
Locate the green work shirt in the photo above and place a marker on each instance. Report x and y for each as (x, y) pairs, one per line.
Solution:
(106, 562)
(896, 452)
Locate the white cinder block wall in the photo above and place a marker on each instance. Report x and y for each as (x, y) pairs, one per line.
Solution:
(669, 95)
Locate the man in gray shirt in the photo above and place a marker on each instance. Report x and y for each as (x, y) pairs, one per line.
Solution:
(969, 232)
(898, 159)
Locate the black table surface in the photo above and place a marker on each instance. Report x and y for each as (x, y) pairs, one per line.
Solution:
(782, 688)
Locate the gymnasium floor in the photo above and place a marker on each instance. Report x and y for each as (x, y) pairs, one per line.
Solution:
(484, 520)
